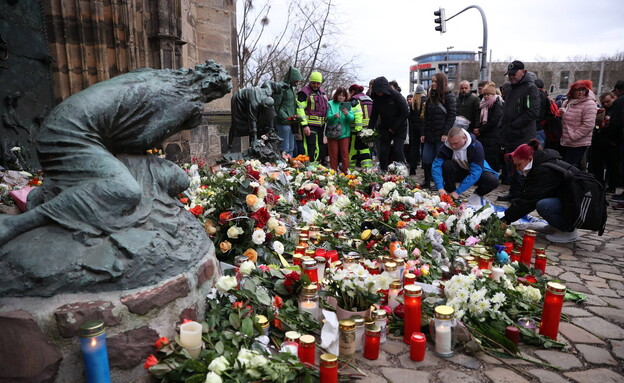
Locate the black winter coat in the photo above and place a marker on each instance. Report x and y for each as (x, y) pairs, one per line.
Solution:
(489, 134)
(541, 182)
(390, 108)
(468, 106)
(415, 122)
(438, 121)
(520, 112)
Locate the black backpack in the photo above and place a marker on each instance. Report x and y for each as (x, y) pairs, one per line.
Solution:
(553, 128)
(584, 200)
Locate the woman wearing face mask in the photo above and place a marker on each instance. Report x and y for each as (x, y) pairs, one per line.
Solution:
(543, 189)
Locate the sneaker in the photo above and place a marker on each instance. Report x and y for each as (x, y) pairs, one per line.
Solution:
(618, 198)
(563, 236)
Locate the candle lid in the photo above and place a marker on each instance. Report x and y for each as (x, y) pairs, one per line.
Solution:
(328, 231)
(358, 319)
(305, 228)
(262, 320)
(395, 284)
(307, 339)
(369, 322)
(540, 255)
(292, 335)
(555, 288)
(515, 251)
(319, 259)
(328, 358)
(310, 253)
(310, 289)
(469, 258)
(380, 314)
(294, 212)
(348, 259)
(409, 276)
(346, 325)
(412, 291)
(418, 336)
(309, 264)
(373, 330)
(540, 250)
(390, 266)
(315, 228)
(530, 233)
(91, 328)
(444, 312)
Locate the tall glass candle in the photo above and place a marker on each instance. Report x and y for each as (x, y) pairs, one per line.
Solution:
(371, 342)
(320, 267)
(551, 313)
(528, 242)
(484, 262)
(540, 261)
(346, 340)
(515, 255)
(509, 246)
(307, 349)
(329, 368)
(381, 319)
(310, 269)
(444, 323)
(309, 300)
(393, 293)
(359, 332)
(94, 353)
(418, 345)
(411, 321)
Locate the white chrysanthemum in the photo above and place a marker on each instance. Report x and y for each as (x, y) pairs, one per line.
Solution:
(478, 295)
(258, 237)
(499, 297)
(278, 247)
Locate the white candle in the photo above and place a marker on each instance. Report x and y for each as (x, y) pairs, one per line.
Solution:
(443, 339)
(290, 346)
(497, 273)
(190, 335)
(310, 307)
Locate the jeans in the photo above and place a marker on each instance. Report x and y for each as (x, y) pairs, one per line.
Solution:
(288, 139)
(430, 150)
(551, 209)
(541, 137)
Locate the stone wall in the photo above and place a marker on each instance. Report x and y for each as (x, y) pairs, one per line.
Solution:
(39, 336)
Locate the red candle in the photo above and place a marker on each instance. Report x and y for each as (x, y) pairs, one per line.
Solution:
(320, 252)
(371, 342)
(329, 368)
(307, 349)
(300, 250)
(528, 242)
(540, 263)
(411, 321)
(509, 246)
(418, 344)
(310, 268)
(513, 334)
(384, 296)
(551, 313)
(530, 278)
(332, 256)
(484, 262)
(515, 255)
(297, 259)
(409, 279)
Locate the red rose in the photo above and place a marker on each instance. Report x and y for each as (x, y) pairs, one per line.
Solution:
(237, 305)
(225, 216)
(386, 215)
(442, 227)
(261, 216)
(151, 360)
(184, 200)
(197, 210)
(161, 342)
(400, 311)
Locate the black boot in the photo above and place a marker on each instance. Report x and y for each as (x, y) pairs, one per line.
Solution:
(426, 184)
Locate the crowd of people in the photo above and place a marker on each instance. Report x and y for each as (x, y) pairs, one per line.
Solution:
(494, 134)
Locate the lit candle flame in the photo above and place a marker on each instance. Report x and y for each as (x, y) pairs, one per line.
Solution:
(93, 342)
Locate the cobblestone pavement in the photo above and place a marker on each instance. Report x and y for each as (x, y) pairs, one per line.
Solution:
(594, 330)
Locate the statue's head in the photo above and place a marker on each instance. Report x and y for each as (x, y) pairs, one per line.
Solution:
(210, 79)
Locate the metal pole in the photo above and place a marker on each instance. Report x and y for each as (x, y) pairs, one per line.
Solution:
(483, 70)
(600, 79)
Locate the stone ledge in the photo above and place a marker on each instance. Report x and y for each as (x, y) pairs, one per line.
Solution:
(69, 317)
(144, 301)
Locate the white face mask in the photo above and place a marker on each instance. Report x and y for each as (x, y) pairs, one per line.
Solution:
(527, 168)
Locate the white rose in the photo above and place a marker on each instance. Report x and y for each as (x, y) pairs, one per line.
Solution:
(262, 192)
(234, 231)
(226, 283)
(247, 267)
(258, 237)
(272, 223)
(218, 365)
(244, 356)
(278, 247)
(258, 361)
(213, 378)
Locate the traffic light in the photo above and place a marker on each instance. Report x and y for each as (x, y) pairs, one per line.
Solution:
(440, 20)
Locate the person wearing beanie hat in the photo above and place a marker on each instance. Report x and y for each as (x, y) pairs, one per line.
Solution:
(578, 118)
(543, 189)
(490, 119)
(312, 105)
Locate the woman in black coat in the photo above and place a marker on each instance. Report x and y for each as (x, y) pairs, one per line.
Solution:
(491, 120)
(440, 113)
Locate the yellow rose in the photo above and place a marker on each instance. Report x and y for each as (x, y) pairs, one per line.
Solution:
(251, 254)
(366, 234)
(251, 199)
(225, 246)
(210, 227)
(280, 230)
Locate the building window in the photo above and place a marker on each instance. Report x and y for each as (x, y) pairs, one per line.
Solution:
(564, 80)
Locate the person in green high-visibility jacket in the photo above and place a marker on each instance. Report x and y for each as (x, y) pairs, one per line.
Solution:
(312, 107)
(361, 105)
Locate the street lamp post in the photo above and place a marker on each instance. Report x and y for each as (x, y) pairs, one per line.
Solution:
(447, 58)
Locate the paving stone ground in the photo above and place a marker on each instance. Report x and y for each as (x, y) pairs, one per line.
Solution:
(595, 331)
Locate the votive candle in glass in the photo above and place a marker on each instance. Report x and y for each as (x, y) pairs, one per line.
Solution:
(372, 340)
(332, 256)
(309, 300)
(359, 332)
(412, 300)
(393, 293)
(484, 262)
(307, 349)
(346, 340)
(264, 324)
(444, 323)
(409, 279)
(418, 345)
(528, 242)
(320, 267)
(515, 255)
(310, 268)
(551, 313)
(527, 323)
(540, 261)
(509, 246)
(329, 368)
(94, 353)
(513, 334)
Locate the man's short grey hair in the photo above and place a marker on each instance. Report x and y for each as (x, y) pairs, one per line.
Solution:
(464, 82)
(455, 131)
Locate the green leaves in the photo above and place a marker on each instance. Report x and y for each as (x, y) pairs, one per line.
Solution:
(247, 327)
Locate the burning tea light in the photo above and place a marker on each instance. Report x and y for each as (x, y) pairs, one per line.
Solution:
(527, 323)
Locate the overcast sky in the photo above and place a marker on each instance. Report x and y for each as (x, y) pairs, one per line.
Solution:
(385, 35)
